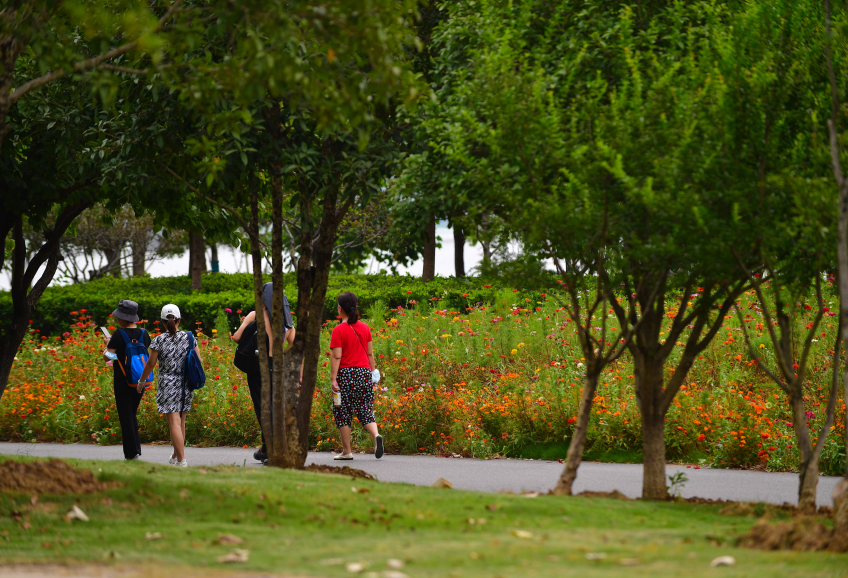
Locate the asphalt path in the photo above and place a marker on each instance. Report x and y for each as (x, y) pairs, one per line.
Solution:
(504, 475)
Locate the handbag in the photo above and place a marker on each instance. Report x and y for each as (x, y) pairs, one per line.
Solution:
(375, 375)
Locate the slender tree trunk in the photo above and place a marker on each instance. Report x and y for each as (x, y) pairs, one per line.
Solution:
(25, 294)
(429, 271)
(213, 257)
(315, 279)
(261, 332)
(807, 467)
(281, 431)
(487, 252)
(196, 259)
(840, 511)
(459, 250)
(113, 262)
(139, 254)
(578, 438)
(840, 515)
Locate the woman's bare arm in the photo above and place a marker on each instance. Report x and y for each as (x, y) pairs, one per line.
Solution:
(248, 319)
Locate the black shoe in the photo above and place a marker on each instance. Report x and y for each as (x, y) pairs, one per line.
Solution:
(265, 462)
(378, 447)
(259, 455)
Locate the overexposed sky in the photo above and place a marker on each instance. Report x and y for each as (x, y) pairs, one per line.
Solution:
(231, 261)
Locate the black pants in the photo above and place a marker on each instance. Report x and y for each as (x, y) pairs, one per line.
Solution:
(126, 401)
(254, 384)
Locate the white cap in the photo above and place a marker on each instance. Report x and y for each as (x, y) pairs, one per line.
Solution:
(170, 309)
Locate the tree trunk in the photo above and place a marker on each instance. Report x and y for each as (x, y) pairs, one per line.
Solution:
(25, 294)
(281, 431)
(261, 333)
(487, 252)
(312, 285)
(196, 259)
(13, 45)
(213, 258)
(653, 452)
(840, 510)
(808, 466)
(113, 262)
(139, 254)
(429, 271)
(578, 438)
(459, 250)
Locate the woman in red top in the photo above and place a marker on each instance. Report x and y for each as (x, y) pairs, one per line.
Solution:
(351, 364)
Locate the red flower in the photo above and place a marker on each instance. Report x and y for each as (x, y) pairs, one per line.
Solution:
(701, 437)
(487, 286)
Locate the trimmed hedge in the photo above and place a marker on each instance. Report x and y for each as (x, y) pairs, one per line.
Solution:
(235, 291)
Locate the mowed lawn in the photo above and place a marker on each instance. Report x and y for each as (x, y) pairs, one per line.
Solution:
(311, 524)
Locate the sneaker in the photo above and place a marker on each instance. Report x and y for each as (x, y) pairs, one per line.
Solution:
(259, 455)
(172, 460)
(182, 464)
(378, 447)
(343, 457)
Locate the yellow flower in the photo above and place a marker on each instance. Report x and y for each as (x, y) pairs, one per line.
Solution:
(446, 335)
(399, 342)
(520, 345)
(762, 346)
(214, 331)
(514, 351)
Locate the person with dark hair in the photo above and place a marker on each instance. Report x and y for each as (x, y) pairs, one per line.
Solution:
(127, 397)
(352, 363)
(173, 400)
(246, 338)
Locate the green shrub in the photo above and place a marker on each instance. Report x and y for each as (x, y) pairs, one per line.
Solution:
(235, 292)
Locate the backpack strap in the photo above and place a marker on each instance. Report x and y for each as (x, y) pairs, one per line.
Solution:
(127, 343)
(359, 338)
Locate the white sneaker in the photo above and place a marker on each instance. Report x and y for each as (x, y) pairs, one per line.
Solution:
(173, 460)
(343, 457)
(182, 464)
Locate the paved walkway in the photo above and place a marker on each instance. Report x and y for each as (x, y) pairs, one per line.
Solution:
(483, 475)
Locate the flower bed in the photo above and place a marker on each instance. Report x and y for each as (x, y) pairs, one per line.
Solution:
(486, 380)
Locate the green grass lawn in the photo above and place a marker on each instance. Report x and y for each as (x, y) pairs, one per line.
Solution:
(314, 524)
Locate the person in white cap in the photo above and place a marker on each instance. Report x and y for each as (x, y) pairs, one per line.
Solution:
(173, 401)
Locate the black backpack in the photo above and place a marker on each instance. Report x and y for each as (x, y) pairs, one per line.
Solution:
(245, 358)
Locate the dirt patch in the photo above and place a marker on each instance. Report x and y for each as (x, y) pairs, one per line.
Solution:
(50, 477)
(798, 534)
(613, 495)
(340, 470)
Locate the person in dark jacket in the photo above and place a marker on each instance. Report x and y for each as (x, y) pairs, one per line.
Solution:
(246, 333)
(127, 398)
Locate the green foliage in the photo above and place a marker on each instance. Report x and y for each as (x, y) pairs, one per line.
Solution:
(235, 291)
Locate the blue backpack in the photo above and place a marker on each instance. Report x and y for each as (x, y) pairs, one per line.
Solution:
(193, 375)
(136, 359)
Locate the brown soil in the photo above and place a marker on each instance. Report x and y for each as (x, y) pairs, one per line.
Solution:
(50, 477)
(614, 495)
(797, 534)
(340, 470)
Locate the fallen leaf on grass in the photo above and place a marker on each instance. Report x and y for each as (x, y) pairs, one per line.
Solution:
(596, 556)
(152, 536)
(394, 563)
(531, 495)
(76, 514)
(524, 534)
(355, 567)
(442, 483)
(236, 555)
(723, 561)
(33, 500)
(227, 539)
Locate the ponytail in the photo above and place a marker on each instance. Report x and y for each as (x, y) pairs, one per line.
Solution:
(348, 302)
(171, 326)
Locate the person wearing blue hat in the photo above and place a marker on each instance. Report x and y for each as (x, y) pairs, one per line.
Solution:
(127, 397)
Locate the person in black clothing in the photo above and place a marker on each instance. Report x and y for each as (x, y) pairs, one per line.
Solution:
(127, 399)
(245, 336)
